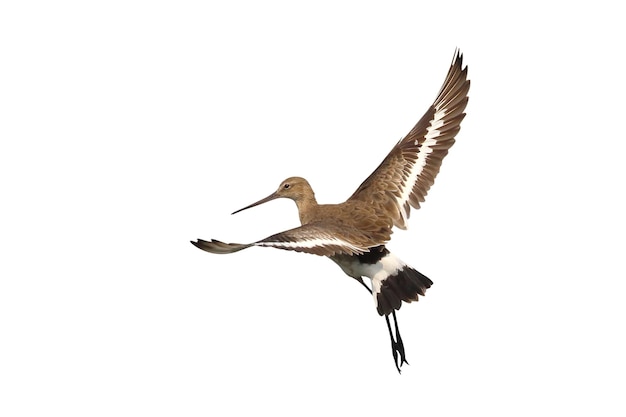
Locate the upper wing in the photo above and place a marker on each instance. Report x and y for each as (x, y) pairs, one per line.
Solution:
(318, 238)
(406, 174)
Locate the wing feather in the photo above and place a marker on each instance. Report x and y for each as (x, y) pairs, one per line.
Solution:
(404, 177)
(318, 238)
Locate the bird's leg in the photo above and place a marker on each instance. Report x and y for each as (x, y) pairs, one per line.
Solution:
(399, 344)
(394, 348)
(360, 279)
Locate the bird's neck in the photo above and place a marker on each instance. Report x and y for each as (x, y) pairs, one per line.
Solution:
(307, 209)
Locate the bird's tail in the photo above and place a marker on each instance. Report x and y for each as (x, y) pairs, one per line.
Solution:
(397, 282)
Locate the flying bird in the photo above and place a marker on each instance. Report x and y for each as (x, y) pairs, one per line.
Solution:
(354, 233)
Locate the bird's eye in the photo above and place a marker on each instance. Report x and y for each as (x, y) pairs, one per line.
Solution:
(286, 186)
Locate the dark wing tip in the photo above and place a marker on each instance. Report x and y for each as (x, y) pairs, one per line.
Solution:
(215, 246)
(457, 59)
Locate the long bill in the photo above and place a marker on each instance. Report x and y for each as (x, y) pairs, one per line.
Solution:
(264, 200)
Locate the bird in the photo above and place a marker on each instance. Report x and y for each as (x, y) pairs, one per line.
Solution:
(354, 233)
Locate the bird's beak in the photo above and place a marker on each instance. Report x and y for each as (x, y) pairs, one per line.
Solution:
(265, 200)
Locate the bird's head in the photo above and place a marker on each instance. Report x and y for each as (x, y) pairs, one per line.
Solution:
(294, 188)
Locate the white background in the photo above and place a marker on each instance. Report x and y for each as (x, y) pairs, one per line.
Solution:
(128, 128)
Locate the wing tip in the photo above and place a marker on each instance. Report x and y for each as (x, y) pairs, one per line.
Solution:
(457, 59)
(216, 246)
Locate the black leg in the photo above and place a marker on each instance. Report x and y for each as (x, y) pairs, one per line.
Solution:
(397, 346)
(364, 284)
(394, 349)
(400, 345)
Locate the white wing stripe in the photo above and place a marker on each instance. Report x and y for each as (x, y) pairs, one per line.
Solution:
(313, 243)
(427, 147)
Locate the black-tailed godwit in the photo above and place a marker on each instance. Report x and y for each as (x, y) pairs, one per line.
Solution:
(354, 233)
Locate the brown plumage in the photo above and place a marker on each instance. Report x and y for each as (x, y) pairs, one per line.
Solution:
(353, 234)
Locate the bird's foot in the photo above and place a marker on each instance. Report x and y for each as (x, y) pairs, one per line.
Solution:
(397, 346)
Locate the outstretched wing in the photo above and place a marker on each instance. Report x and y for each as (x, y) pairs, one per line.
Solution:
(318, 238)
(404, 177)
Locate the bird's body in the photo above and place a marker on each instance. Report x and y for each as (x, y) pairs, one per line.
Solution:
(354, 233)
